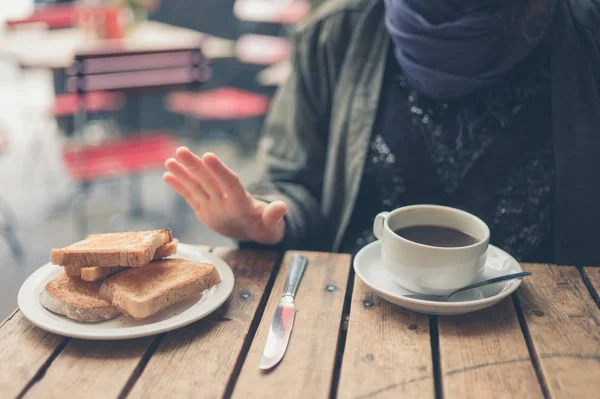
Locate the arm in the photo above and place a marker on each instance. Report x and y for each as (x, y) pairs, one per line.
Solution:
(293, 148)
(292, 153)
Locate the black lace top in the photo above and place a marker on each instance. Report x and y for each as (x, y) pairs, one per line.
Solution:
(489, 153)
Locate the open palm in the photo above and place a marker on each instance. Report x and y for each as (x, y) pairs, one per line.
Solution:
(221, 202)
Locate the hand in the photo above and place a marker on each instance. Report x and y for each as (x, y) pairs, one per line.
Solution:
(220, 201)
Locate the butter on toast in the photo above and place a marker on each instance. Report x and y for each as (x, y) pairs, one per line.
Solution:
(141, 292)
(127, 249)
(77, 299)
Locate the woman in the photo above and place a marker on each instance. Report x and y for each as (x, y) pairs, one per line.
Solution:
(492, 106)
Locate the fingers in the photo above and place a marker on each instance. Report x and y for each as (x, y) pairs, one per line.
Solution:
(228, 179)
(274, 213)
(187, 180)
(197, 168)
(181, 189)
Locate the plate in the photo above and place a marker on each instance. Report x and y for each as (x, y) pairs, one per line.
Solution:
(369, 268)
(125, 327)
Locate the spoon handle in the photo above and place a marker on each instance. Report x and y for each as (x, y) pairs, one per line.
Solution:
(490, 281)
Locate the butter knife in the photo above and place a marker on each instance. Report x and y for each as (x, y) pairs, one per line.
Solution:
(282, 323)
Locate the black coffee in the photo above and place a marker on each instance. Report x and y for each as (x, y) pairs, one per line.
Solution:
(436, 236)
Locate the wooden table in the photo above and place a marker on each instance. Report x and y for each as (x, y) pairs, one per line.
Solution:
(346, 343)
(55, 49)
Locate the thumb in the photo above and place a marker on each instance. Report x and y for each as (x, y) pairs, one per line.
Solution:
(274, 213)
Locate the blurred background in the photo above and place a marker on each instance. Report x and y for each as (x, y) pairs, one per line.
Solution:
(96, 95)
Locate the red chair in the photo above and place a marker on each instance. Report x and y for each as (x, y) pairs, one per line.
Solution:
(57, 16)
(240, 109)
(224, 103)
(116, 70)
(67, 104)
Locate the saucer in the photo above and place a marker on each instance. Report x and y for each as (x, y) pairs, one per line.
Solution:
(369, 268)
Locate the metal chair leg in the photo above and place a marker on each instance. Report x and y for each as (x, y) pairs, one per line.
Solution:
(135, 196)
(8, 230)
(81, 221)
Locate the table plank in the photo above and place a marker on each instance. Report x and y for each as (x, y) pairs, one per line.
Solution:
(486, 352)
(306, 371)
(198, 361)
(93, 369)
(592, 274)
(24, 349)
(387, 352)
(563, 323)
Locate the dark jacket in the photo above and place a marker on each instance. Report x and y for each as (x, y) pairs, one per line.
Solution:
(317, 133)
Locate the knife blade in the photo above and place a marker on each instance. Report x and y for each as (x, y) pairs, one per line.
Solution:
(283, 321)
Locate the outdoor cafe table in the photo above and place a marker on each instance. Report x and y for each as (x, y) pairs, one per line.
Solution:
(56, 49)
(543, 342)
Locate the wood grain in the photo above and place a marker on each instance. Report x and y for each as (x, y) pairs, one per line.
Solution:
(24, 349)
(486, 352)
(91, 369)
(198, 361)
(306, 371)
(592, 275)
(387, 352)
(564, 326)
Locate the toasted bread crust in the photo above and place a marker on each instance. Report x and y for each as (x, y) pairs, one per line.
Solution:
(73, 271)
(96, 273)
(77, 299)
(92, 274)
(166, 250)
(143, 292)
(130, 249)
(99, 273)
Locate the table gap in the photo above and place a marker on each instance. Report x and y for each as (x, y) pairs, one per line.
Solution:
(42, 371)
(253, 328)
(435, 356)
(342, 335)
(139, 369)
(590, 287)
(529, 342)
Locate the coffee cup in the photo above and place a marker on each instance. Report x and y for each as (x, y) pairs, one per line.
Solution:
(418, 263)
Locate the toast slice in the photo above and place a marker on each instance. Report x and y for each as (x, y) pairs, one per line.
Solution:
(100, 273)
(77, 299)
(166, 250)
(144, 291)
(128, 249)
(92, 274)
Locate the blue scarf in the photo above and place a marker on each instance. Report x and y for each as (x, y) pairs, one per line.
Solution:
(449, 48)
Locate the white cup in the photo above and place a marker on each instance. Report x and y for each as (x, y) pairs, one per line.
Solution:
(428, 269)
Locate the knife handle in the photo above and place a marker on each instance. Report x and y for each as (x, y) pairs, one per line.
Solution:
(295, 272)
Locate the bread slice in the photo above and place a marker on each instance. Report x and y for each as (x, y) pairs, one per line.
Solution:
(77, 299)
(100, 273)
(92, 274)
(166, 250)
(129, 249)
(144, 291)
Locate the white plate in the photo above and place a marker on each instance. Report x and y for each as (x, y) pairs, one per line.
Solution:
(368, 267)
(125, 327)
